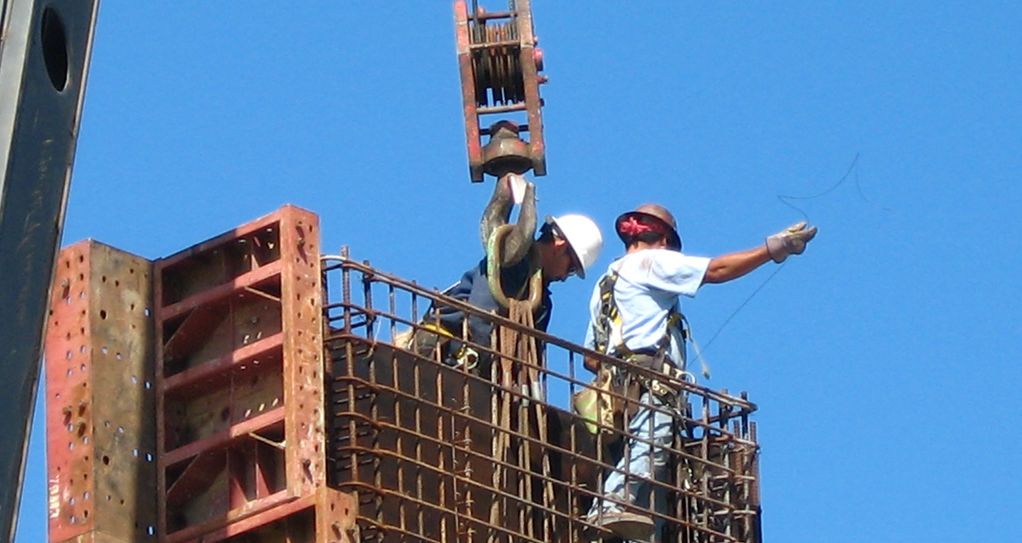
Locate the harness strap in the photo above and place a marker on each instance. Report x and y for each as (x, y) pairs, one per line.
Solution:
(607, 333)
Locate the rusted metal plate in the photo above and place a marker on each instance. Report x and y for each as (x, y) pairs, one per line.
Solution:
(335, 516)
(100, 413)
(302, 313)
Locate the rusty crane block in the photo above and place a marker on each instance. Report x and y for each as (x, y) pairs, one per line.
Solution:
(500, 64)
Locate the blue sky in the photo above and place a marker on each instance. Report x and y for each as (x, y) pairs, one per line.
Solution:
(883, 360)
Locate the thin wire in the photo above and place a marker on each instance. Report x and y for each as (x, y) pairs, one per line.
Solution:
(784, 198)
(742, 306)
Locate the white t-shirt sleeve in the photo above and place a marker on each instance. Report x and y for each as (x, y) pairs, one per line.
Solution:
(671, 271)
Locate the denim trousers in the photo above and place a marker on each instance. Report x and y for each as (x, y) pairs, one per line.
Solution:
(644, 458)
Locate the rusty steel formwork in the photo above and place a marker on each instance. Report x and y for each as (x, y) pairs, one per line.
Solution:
(422, 446)
(239, 387)
(500, 66)
(185, 395)
(99, 410)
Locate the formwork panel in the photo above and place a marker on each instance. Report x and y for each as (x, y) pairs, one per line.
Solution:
(240, 384)
(100, 413)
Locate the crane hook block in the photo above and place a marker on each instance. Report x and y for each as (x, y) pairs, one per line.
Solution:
(500, 67)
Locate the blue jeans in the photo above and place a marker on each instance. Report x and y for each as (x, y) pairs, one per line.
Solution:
(642, 461)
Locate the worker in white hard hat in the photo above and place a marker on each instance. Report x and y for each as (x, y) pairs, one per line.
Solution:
(635, 315)
(567, 245)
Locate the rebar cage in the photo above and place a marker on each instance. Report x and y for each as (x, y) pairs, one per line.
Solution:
(438, 452)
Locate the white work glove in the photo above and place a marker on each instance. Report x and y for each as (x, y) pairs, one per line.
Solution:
(790, 241)
(518, 185)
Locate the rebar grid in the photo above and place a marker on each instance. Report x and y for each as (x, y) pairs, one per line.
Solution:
(415, 437)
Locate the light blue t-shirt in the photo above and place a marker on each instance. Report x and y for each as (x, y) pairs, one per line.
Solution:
(649, 282)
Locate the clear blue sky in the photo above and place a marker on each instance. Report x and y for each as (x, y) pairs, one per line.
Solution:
(883, 360)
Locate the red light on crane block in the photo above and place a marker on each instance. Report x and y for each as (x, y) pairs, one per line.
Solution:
(500, 64)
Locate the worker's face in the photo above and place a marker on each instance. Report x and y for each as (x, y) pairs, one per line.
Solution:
(560, 262)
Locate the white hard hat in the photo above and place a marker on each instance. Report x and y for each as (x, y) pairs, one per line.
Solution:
(583, 236)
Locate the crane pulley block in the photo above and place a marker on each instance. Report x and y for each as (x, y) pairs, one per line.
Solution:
(500, 67)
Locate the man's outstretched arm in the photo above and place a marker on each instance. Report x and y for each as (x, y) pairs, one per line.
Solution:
(790, 241)
(724, 268)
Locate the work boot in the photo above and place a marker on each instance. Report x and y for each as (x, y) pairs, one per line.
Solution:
(624, 524)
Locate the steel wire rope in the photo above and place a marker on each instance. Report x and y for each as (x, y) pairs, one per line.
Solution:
(784, 199)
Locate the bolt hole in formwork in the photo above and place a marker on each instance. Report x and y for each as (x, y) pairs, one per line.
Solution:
(106, 462)
(54, 40)
(102, 314)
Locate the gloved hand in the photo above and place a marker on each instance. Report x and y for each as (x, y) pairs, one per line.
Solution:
(790, 241)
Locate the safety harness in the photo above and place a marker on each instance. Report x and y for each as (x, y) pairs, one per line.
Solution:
(607, 329)
(597, 406)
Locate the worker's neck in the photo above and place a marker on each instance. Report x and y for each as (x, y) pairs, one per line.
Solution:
(643, 245)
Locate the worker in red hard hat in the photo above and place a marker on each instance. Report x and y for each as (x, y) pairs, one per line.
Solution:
(635, 315)
(567, 245)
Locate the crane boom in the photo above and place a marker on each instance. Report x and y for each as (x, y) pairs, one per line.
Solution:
(44, 55)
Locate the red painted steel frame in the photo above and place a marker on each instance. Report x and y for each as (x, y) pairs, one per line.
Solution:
(99, 417)
(238, 325)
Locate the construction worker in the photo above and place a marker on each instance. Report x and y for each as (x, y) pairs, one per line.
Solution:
(567, 245)
(635, 315)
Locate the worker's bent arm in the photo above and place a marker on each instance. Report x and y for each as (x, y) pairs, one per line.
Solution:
(734, 265)
(516, 244)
